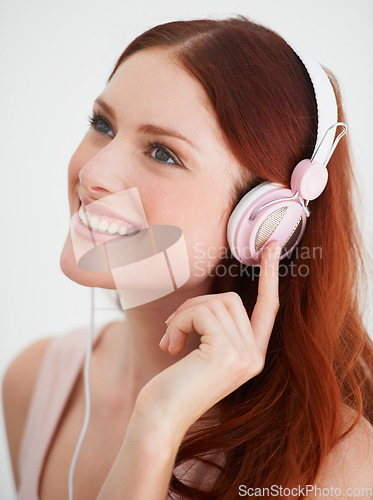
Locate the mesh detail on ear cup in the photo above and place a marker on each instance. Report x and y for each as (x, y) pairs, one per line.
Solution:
(293, 237)
(268, 226)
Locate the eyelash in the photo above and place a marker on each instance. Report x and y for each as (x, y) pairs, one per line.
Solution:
(96, 118)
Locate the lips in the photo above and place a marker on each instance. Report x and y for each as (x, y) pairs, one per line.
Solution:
(102, 211)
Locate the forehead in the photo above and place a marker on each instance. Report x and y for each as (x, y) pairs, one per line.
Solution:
(151, 87)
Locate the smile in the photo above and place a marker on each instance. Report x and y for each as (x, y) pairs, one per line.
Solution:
(106, 225)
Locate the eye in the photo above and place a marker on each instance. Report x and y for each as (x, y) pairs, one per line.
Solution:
(98, 122)
(162, 154)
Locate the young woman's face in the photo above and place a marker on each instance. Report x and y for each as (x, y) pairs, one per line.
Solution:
(185, 181)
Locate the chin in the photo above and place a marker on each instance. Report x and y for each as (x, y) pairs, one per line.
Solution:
(70, 269)
(142, 280)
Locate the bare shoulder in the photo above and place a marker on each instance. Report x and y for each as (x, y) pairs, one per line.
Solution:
(350, 463)
(17, 389)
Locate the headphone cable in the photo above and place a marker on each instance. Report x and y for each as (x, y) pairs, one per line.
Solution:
(87, 398)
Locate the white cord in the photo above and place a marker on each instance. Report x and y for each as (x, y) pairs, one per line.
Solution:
(87, 399)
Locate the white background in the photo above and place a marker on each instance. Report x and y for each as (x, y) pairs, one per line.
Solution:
(54, 60)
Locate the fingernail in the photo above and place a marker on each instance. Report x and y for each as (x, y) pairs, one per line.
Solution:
(162, 339)
(277, 250)
(170, 318)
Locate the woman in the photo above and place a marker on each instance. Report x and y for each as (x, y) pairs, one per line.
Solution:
(257, 382)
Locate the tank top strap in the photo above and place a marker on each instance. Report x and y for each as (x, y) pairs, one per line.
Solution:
(58, 372)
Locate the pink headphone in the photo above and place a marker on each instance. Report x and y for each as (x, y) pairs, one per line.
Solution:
(273, 212)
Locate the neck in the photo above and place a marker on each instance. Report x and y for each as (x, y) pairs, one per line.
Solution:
(133, 353)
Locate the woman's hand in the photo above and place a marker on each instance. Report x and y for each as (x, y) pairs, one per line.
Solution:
(232, 350)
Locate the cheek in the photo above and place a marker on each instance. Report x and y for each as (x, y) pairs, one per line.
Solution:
(162, 201)
(73, 176)
(200, 210)
(202, 214)
(207, 231)
(77, 162)
(196, 218)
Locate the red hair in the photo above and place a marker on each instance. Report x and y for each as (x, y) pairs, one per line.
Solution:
(278, 428)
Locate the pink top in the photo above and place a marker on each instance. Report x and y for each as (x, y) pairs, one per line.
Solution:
(59, 370)
(60, 367)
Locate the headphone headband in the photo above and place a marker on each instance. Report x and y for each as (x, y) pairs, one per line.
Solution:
(327, 108)
(271, 211)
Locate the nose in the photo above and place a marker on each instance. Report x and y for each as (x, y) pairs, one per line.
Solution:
(101, 175)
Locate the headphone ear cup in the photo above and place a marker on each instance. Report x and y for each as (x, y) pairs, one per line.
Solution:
(283, 221)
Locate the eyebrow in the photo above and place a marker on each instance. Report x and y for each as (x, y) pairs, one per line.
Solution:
(109, 110)
(156, 130)
(150, 128)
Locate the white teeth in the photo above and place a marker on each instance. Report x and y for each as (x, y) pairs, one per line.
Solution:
(93, 221)
(83, 217)
(113, 228)
(122, 230)
(103, 226)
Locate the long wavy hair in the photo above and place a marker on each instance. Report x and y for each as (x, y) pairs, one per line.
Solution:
(278, 428)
